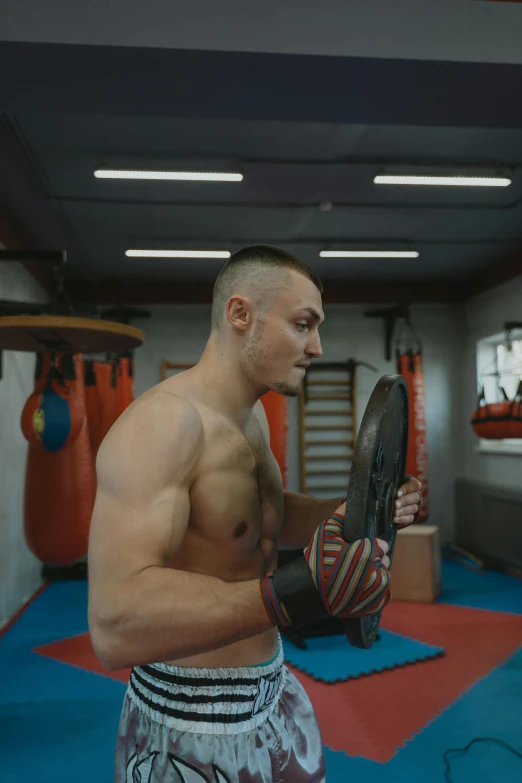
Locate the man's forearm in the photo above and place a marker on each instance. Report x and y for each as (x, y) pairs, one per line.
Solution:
(163, 614)
(302, 516)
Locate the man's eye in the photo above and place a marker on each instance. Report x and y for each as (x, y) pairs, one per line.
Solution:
(302, 326)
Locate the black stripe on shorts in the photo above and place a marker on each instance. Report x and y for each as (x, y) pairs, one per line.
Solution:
(191, 716)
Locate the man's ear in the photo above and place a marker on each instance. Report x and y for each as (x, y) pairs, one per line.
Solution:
(239, 312)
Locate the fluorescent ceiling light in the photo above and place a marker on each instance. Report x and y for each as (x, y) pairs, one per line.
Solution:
(369, 254)
(177, 253)
(457, 181)
(180, 176)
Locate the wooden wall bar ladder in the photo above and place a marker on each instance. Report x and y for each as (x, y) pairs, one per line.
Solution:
(328, 420)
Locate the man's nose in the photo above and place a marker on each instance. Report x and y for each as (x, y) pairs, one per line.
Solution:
(314, 347)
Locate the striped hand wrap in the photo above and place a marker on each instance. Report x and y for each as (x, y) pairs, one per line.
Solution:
(350, 578)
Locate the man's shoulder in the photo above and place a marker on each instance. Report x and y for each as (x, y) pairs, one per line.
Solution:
(159, 415)
(162, 398)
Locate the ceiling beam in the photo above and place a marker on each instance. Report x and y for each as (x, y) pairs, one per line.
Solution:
(29, 215)
(12, 240)
(335, 292)
(137, 82)
(497, 273)
(343, 292)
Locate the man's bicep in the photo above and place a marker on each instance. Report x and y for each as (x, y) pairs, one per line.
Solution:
(131, 533)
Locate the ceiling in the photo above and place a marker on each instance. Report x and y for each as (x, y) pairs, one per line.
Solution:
(441, 30)
(309, 132)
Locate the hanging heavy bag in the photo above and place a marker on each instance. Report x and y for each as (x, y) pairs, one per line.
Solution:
(93, 407)
(498, 420)
(409, 365)
(276, 410)
(60, 488)
(124, 381)
(53, 418)
(107, 378)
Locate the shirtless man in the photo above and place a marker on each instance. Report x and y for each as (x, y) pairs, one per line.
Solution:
(189, 515)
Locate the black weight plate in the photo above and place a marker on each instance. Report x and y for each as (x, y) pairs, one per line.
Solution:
(378, 470)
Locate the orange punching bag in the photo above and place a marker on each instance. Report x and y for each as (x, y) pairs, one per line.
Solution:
(60, 487)
(124, 392)
(93, 407)
(409, 364)
(107, 379)
(276, 411)
(498, 420)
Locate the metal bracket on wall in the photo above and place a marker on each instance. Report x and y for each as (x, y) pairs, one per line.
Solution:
(390, 316)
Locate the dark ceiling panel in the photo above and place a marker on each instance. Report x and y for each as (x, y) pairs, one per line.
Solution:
(124, 81)
(305, 130)
(73, 135)
(453, 31)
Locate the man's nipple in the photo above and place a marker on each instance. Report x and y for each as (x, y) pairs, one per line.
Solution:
(240, 530)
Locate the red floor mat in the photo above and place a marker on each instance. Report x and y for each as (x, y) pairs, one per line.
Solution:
(382, 712)
(77, 651)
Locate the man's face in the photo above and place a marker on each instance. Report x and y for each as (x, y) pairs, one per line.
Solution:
(286, 339)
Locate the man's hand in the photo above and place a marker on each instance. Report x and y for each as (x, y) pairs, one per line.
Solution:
(341, 511)
(332, 577)
(407, 504)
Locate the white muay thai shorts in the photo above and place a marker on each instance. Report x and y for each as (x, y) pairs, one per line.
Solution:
(239, 725)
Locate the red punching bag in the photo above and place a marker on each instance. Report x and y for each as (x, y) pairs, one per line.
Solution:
(498, 420)
(93, 407)
(276, 412)
(124, 391)
(107, 381)
(60, 487)
(52, 418)
(409, 364)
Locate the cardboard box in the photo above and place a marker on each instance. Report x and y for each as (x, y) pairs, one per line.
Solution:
(416, 566)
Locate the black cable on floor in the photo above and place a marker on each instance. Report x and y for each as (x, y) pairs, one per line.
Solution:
(468, 746)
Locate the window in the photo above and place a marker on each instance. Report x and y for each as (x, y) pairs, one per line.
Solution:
(509, 364)
(500, 365)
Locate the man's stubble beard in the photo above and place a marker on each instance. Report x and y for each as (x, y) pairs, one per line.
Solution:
(256, 364)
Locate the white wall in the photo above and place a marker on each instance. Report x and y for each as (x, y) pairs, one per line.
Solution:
(179, 334)
(485, 316)
(19, 569)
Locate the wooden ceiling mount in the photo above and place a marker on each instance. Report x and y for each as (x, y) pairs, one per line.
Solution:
(25, 326)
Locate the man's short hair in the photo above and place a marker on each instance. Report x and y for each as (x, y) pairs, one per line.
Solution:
(249, 269)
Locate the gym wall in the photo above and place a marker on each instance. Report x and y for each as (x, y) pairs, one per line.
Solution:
(179, 334)
(19, 569)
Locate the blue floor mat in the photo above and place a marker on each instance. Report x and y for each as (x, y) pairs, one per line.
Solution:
(61, 722)
(27, 676)
(53, 742)
(330, 658)
(491, 708)
(60, 611)
(494, 591)
(57, 723)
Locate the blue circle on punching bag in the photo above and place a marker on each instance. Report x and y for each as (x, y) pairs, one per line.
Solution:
(57, 419)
